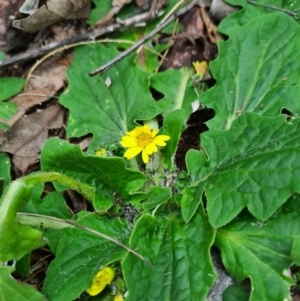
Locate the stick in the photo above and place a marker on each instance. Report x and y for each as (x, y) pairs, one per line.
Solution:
(120, 57)
(88, 36)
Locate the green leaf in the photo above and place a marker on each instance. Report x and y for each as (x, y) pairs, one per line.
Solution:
(10, 86)
(19, 239)
(101, 9)
(106, 112)
(80, 255)
(251, 83)
(179, 93)
(296, 250)
(23, 265)
(262, 251)
(52, 204)
(191, 197)
(7, 110)
(251, 11)
(11, 289)
(173, 126)
(254, 164)
(63, 157)
(235, 292)
(157, 196)
(4, 172)
(179, 252)
(2, 56)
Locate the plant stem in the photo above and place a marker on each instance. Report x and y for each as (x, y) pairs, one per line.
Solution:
(83, 189)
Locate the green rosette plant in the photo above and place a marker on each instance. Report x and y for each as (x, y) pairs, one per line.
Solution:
(240, 192)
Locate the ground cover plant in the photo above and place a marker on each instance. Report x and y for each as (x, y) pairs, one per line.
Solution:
(148, 226)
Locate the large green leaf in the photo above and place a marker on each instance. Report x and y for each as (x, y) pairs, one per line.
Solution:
(255, 164)
(11, 289)
(179, 252)
(106, 105)
(99, 172)
(262, 251)
(81, 254)
(254, 73)
(19, 239)
(250, 11)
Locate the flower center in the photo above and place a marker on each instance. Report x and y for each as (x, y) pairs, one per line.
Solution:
(144, 140)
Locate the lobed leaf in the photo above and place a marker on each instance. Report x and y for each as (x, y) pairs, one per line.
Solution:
(255, 164)
(254, 73)
(80, 255)
(106, 110)
(262, 251)
(179, 93)
(250, 11)
(53, 204)
(179, 252)
(99, 172)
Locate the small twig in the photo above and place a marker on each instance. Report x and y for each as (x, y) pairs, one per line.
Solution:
(120, 57)
(88, 36)
(289, 12)
(38, 62)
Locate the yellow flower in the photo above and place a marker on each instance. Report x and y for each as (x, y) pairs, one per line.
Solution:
(142, 139)
(118, 298)
(101, 152)
(102, 278)
(200, 68)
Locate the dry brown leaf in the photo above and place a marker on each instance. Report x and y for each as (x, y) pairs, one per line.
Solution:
(211, 28)
(27, 136)
(26, 101)
(52, 12)
(47, 80)
(50, 73)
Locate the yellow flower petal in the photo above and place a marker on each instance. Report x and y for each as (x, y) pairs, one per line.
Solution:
(128, 141)
(118, 298)
(154, 133)
(134, 133)
(101, 152)
(142, 139)
(160, 140)
(146, 129)
(102, 278)
(132, 152)
(200, 68)
(145, 156)
(151, 148)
